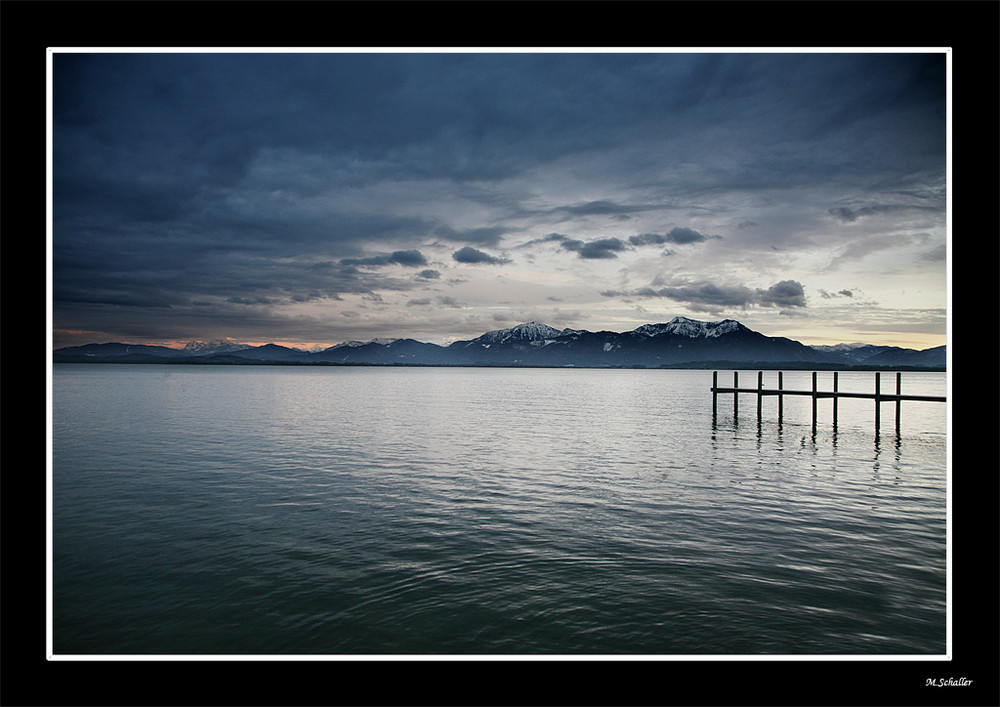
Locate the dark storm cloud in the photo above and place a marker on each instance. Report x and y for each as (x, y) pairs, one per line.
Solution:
(708, 295)
(846, 214)
(705, 293)
(409, 258)
(487, 236)
(678, 235)
(608, 248)
(462, 115)
(936, 255)
(596, 249)
(601, 248)
(550, 238)
(468, 254)
(166, 164)
(604, 207)
(441, 301)
(787, 293)
(253, 300)
(832, 295)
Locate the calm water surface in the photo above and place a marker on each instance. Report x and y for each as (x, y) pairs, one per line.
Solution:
(328, 510)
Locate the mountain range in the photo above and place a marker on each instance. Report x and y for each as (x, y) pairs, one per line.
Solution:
(679, 343)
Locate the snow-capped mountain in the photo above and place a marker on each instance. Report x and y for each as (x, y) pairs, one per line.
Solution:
(356, 344)
(529, 332)
(856, 351)
(691, 328)
(840, 348)
(679, 342)
(213, 347)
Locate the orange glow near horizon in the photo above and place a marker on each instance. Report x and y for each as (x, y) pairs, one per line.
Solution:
(180, 344)
(63, 337)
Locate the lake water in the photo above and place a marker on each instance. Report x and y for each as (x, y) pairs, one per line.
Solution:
(456, 511)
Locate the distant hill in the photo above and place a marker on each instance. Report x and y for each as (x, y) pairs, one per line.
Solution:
(887, 355)
(681, 342)
(98, 352)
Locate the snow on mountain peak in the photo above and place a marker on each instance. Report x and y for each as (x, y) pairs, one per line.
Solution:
(839, 348)
(530, 331)
(690, 327)
(218, 346)
(353, 344)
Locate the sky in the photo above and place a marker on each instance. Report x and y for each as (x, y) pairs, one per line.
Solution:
(308, 198)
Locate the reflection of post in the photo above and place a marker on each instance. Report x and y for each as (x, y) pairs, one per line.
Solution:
(835, 398)
(878, 402)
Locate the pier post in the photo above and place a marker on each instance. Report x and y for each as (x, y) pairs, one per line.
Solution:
(814, 400)
(736, 395)
(715, 393)
(781, 397)
(835, 398)
(878, 402)
(760, 389)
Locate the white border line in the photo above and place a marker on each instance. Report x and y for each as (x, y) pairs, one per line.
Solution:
(949, 355)
(49, 648)
(51, 51)
(503, 50)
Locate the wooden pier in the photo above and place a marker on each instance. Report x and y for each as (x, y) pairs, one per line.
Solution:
(878, 396)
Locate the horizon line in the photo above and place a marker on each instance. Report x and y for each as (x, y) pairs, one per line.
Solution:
(179, 345)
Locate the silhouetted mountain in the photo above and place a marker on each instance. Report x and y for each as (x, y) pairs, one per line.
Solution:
(679, 342)
(116, 350)
(936, 357)
(506, 347)
(213, 347)
(856, 353)
(395, 351)
(271, 352)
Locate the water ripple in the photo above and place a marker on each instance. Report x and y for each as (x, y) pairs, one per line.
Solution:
(488, 511)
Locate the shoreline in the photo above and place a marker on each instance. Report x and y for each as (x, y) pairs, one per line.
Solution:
(687, 366)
